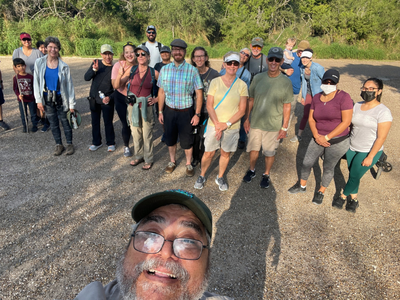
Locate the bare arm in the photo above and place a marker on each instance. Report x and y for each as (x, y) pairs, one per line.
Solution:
(161, 100)
(286, 116)
(249, 108)
(383, 130)
(199, 102)
(319, 139)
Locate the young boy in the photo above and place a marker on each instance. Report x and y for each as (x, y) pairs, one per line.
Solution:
(23, 88)
(287, 53)
(2, 123)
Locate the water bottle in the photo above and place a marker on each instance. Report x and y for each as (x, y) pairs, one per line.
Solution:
(102, 96)
(74, 123)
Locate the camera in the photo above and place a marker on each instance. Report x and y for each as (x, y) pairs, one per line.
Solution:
(130, 98)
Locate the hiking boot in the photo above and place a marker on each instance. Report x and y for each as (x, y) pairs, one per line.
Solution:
(295, 139)
(189, 170)
(297, 189)
(111, 148)
(249, 176)
(223, 186)
(4, 125)
(46, 127)
(318, 197)
(127, 152)
(170, 167)
(338, 202)
(94, 147)
(264, 181)
(59, 149)
(70, 149)
(352, 205)
(200, 183)
(34, 129)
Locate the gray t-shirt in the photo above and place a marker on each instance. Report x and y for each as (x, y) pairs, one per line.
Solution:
(155, 56)
(365, 126)
(257, 65)
(29, 60)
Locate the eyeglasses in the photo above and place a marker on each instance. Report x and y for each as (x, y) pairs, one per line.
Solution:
(199, 56)
(152, 243)
(271, 59)
(370, 89)
(151, 32)
(26, 39)
(140, 54)
(330, 82)
(178, 50)
(235, 63)
(244, 53)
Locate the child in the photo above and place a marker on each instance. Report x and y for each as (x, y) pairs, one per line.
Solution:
(42, 48)
(23, 88)
(2, 123)
(287, 53)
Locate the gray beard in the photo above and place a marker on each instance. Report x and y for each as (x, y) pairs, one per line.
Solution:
(127, 281)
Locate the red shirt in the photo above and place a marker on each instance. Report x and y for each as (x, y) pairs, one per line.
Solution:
(25, 83)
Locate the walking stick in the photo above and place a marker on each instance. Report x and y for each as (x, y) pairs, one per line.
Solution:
(23, 105)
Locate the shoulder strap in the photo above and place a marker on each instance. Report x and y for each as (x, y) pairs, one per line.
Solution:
(226, 93)
(144, 44)
(153, 81)
(159, 46)
(261, 62)
(241, 74)
(133, 70)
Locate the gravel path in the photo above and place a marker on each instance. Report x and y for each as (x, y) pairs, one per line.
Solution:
(64, 221)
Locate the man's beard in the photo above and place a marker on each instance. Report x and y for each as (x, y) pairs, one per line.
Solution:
(127, 279)
(151, 38)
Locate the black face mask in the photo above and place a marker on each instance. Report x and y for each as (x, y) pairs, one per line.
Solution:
(368, 95)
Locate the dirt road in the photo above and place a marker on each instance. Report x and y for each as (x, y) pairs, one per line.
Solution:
(64, 221)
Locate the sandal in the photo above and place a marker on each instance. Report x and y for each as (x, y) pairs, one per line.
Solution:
(136, 162)
(147, 166)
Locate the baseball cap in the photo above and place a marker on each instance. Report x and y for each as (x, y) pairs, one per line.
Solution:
(331, 74)
(308, 53)
(24, 36)
(257, 41)
(303, 45)
(106, 48)
(179, 43)
(144, 48)
(151, 27)
(275, 52)
(148, 204)
(165, 49)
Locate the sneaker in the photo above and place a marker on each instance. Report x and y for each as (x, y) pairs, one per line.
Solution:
(223, 186)
(59, 149)
(189, 170)
(170, 167)
(200, 183)
(264, 181)
(4, 125)
(34, 129)
(241, 144)
(352, 205)
(127, 152)
(69, 150)
(338, 202)
(295, 139)
(297, 189)
(249, 176)
(94, 147)
(318, 197)
(111, 148)
(46, 127)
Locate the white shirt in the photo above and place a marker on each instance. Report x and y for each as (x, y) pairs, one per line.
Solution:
(155, 56)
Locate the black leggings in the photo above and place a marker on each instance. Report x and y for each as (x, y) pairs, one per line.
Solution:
(121, 108)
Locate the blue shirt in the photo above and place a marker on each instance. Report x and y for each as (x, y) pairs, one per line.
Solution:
(246, 77)
(51, 78)
(295, 78)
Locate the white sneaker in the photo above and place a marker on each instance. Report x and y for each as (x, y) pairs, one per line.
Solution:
(127, 152)
(94, 148)
(295, 139)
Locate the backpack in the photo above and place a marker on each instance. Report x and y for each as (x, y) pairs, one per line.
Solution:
(158, 45)
(153, 78)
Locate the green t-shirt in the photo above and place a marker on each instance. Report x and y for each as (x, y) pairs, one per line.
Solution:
(269, 93)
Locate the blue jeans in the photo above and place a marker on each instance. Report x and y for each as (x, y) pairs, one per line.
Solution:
(32, 112)
(55, 114)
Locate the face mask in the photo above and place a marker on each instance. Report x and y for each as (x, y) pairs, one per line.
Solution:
(328, 88)
(368, 95)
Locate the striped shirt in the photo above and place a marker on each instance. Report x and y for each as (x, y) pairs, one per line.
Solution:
(179, 83)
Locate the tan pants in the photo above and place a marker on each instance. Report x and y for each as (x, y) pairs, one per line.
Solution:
(143, 135)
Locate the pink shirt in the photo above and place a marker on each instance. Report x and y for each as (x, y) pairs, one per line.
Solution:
(114, 74)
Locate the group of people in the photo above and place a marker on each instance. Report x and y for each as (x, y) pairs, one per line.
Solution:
(249, 103)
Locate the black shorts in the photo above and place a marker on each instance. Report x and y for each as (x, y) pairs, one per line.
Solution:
(177, 123)
(1, 97)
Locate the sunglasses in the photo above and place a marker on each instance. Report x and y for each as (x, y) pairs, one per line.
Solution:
(244, 53)
(129, 44)
(26, 39)
(330, 82)
(235, 63)
(151, 32)
(271, 59)
(140, 54)
(256, 47)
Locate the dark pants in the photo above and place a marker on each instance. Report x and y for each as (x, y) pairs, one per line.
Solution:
(55, 114)
(121, 108)
(198, 145)
(242, 132)
(32, 112)
(108, 115)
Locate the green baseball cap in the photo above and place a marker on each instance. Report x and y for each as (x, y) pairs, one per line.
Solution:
(148, 204)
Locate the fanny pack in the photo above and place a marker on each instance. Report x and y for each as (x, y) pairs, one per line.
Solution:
(337, 140)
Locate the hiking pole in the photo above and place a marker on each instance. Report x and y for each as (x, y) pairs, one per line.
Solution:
(23, 105)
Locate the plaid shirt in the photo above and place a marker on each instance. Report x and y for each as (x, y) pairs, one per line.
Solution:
(179, 83)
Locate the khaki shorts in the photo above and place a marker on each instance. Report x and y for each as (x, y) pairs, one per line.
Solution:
(228, 141)
(266, 139)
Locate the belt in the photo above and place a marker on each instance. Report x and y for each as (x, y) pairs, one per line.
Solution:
(182, 110)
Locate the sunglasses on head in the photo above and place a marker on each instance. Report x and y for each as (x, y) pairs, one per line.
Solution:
(271, 59)
(140, 54)
(235, 63)
(244, 53)
(26, 39)
(151, 32)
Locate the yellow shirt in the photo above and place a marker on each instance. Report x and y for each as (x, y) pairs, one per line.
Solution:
(230, 105)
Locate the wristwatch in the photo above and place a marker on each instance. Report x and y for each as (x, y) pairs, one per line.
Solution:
(229, 124)
(284, 129)
(198, 115)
